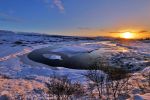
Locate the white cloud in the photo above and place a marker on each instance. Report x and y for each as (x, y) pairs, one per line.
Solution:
(57, 3)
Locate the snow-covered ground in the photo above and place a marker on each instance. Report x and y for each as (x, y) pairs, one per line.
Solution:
(15, 64)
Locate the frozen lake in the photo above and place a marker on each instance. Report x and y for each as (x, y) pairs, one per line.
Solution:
(79, 57)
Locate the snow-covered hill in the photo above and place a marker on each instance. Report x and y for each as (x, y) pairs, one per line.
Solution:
(21, 72)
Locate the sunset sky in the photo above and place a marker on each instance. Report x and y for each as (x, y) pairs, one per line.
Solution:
(77, 17)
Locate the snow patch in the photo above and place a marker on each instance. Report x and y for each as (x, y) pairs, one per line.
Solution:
(52, 56)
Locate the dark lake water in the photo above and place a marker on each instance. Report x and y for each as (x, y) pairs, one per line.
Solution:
(77, 61)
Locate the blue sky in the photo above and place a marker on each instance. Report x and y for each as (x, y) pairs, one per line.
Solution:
(75, 17)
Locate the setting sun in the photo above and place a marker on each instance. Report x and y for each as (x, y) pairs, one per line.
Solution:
(127, 35)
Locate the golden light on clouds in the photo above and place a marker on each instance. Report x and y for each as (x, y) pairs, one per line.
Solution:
(127, 35)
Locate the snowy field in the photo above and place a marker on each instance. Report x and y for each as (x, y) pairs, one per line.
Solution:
(15, 64)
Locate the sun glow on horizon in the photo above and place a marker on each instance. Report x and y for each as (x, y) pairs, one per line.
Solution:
(127, 35)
